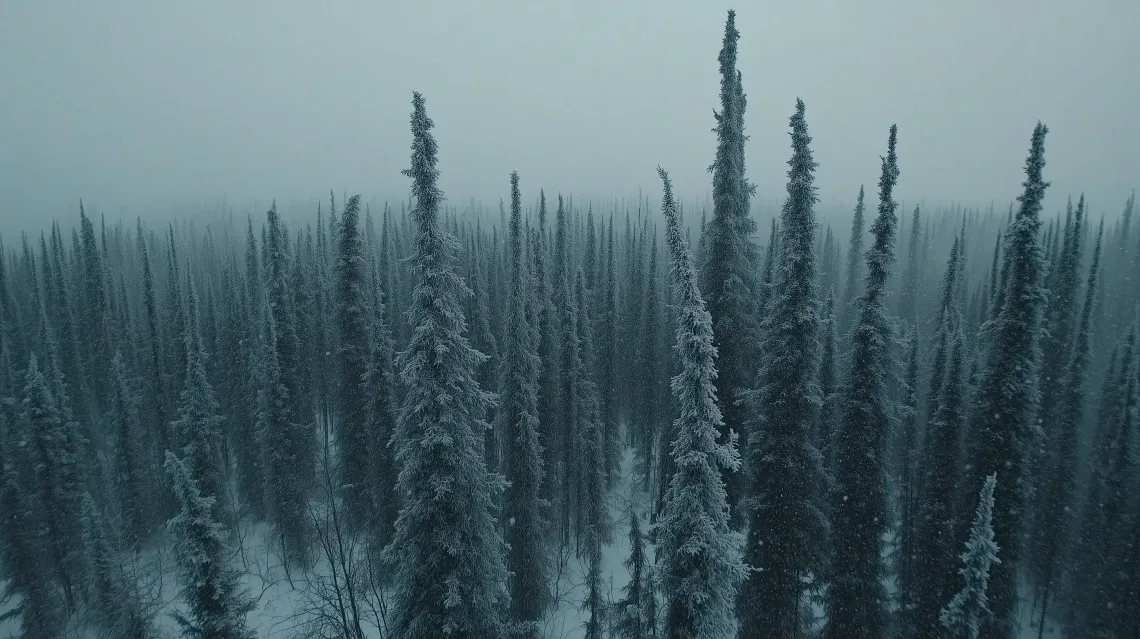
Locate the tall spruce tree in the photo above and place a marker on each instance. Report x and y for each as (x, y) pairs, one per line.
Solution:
(290, 440)
(787, 528)
(909, 461)
(590, 460)
(726, 274)
(827, 416)
(353, 441)
(857, 601)
(131, 477)
(114, 598)
(1001, 426)
(217, 604)
(963, 615)
(938, 526)
(908, 300)
(57, 462)
(1058, 499)
(847, 310)
(698, 553)
(523, 507)
(24, 567)
(199, 426)
(380, 389)
(634, 615)
(446, 552)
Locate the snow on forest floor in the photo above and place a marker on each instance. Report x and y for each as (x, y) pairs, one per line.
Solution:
(568, 620)
(281, 600)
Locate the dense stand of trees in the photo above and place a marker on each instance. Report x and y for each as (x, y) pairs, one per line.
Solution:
(430, 408)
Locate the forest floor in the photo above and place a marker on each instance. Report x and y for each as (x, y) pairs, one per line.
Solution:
(282, 598)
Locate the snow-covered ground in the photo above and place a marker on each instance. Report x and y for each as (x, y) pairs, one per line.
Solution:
(279, 598)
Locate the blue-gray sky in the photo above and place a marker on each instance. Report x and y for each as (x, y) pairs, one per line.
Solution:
(133, 104)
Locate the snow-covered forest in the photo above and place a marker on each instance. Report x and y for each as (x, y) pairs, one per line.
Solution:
(632, 418)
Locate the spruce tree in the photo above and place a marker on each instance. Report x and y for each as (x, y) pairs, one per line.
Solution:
(698, 553)
(291, 454)
(217, 603)
(446, 552)
(1096, 579)
(96, 331)
(826, 416)
(518, 418)
(593, 519)
(964, 614)
(176, 319)
(113, 598)
(1058, 499)
(353, 441)
(199, 426)
(1001, 427)
(909, 461)
(58, 476)
(21, 557)
(726, 274)
(857, 601)
(130, 469)
(787, 529)
(380, 389)
(854, 269)
(158, 409)
(634, 617)
(937, 522)
(607, 364)
(908, 301)
(649, 394)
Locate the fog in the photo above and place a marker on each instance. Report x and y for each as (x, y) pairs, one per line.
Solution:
(137, 107)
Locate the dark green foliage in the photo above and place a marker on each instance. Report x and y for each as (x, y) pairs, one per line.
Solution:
(217, 603)
(857, 605)
(727, 272)
(131, 475)
(290, 446)
(1001, 427)
(446, 551)
(352, 351)
(699, 556)
(787, 531)
(523, 506)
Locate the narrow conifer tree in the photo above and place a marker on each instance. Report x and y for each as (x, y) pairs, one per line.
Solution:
(290, 439)
(857, 601)
(847, 310)
(199, 426)
(963, 615)
(446, 552)
(827, 416)
(25, 569)
(698, 553)
(130, 469)
(113, 598)
(1007, 392)
(633, 614)
(217, 603)
(726, 274)
(938, 526)
(380, 388)
(787, 530)
(1058, 499)
(518, 417)
(352, 361)
(909, 466)
(58, 478)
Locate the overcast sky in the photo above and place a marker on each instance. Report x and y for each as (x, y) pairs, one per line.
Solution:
(134, 104)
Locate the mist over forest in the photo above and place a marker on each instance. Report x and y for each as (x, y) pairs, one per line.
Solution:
(617, 377)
